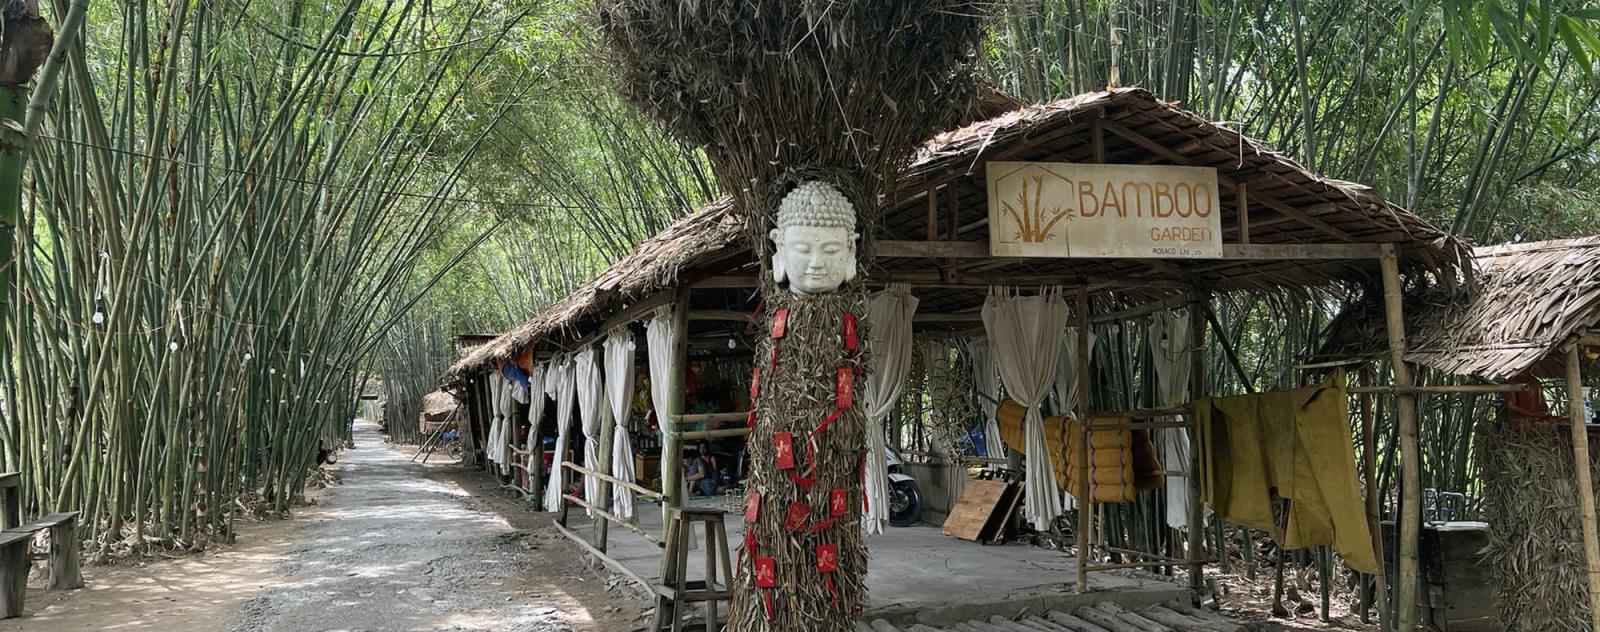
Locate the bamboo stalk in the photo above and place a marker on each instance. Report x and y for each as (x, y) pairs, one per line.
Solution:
(1410, 522)
(1085, 530)
(1584, 480)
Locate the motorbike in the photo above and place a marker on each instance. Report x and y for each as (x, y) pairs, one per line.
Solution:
(905, 500)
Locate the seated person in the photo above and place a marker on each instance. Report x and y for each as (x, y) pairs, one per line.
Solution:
(702, 469)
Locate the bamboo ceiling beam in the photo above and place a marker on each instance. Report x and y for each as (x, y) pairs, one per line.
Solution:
(1144, 309)
(1443, 388)
(726, 282)
(1250, 252)
(719, 314)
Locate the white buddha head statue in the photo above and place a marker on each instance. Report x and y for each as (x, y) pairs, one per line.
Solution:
(815, 239)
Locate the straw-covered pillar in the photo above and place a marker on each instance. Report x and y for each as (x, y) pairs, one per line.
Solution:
(806, 110)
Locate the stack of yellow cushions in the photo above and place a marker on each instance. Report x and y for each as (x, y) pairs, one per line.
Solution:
(1122, 462)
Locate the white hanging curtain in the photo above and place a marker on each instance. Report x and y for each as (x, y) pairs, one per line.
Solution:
(1025, 332)
(983, 381)
(591, 396)
(1170, 340)
(508, 423)
(619, 388)
(518, 393)
(888, 321)
(558, 380)
(936, 365)
(658, 336)
(659, 340)
(536, 395)
(497, 416)
(1066, 387)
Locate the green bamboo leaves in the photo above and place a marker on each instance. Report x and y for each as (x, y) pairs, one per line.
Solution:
(223, 210)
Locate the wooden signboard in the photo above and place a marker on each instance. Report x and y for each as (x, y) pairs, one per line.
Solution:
(1058, 209)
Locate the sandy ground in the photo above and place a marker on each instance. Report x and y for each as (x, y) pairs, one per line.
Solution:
(397, 546)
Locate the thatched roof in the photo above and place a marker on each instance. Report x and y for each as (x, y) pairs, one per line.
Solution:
(439, 406)
(1531, 298)
(654, 264)
(1287, 205)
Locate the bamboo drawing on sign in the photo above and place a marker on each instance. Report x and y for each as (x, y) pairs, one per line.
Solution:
(1035, 224)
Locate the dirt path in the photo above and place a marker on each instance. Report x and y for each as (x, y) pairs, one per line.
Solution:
(397, 546)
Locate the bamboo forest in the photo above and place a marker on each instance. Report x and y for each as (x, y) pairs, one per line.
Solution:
(914, 315)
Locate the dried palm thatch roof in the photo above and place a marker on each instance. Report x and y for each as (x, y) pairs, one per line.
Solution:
(1530, 299)
(439, 406)
(654, 264)
(1287, 206)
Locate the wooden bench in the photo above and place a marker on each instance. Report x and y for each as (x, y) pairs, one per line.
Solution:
(15, 559)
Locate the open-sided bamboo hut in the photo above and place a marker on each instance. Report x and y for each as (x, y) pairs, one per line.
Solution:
(1283, 229)
(1532, 320)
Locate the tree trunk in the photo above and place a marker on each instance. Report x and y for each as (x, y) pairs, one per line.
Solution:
(797, 396)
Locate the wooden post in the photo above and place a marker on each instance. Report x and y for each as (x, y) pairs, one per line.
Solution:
(536, 443)
(1585, 481)
(1369, 476)
(64, 572)
(1097, 139)
(672, 438)
(1085, 535)
(608, 434)
(1410, 522)
(475, 412)
(1199, 303)
(14, 570)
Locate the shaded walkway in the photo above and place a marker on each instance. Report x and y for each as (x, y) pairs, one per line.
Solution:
(397, 546)
(392, 550)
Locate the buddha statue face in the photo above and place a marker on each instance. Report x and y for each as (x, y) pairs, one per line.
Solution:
(815, 239)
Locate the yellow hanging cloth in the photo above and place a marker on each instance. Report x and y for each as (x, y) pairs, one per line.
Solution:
(1294, 445)
(1122, 463)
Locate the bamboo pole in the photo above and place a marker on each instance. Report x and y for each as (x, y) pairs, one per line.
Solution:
(1369, 475)
(1457, 389)
(1199, 307)
(608, 434)
(672, 439)
(1585, 481)
(1085, 535)
(1410, 522)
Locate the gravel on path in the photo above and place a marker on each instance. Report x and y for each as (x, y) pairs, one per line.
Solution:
(397, 546)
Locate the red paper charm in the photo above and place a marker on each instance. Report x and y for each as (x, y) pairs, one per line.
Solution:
(838, 503)
(799, 512)
(783, 442)
(752, 507)
(780, 323)
(827, 558)
(755, 383)
(844, 394)
(851, 339)
(766, 572)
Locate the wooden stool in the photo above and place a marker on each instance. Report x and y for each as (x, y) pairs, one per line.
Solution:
(675, 588)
